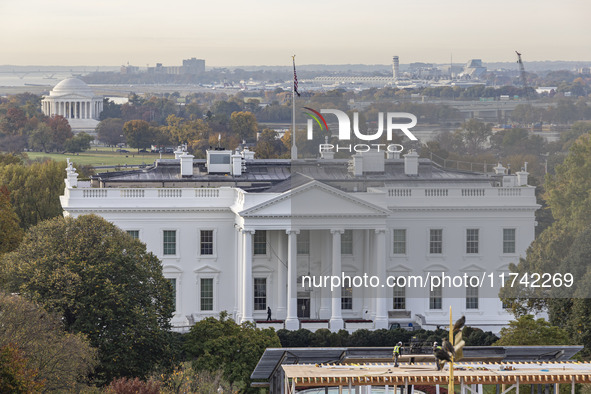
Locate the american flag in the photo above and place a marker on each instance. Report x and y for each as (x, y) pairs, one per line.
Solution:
(295, 78)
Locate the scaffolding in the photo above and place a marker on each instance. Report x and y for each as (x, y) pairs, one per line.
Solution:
(470, 377)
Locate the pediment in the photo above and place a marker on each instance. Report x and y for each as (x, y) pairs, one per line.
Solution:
(315, 199)
(206, 269)
(400, 268)
(436, 269)
(472, 268)
(169, 268)
(262, 269)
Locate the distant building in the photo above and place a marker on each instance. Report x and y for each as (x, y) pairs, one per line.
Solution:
(190, 66)
(193, 66)
(129, 69)
(74, 100)
(395, 67)
(473, 69)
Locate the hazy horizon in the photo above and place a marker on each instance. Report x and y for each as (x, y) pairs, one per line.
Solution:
(236, 33)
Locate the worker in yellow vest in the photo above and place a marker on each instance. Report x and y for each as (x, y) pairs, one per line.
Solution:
(397, 352)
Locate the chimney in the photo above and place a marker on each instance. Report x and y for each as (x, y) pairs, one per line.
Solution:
(393, 155)
(522, 176)
(247, 154)
(357, 164)
(411, 163)
(236, 165)
(325, 153)
(499, 169)
(186, 164)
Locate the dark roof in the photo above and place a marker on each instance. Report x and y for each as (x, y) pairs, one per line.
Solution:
(279, 175)
(273, 357)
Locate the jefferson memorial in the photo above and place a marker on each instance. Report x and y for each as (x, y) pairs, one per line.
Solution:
(74, 100)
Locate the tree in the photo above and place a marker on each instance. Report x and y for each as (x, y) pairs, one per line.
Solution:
(562, 247)
(14, 121)
(15, 376)
(110, 131)
(80, 142)
(42, 138)
(268, 145)
(138, 134)
(225, 108)
(474, 134)
(101, 283)
(61, 130)
(223, 344)
(60, 359)
(9, 228)
(244, 124)
(110, 110)
(526, 331)
(34, 190)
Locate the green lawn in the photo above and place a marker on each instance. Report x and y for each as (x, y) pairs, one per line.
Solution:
(102, 156)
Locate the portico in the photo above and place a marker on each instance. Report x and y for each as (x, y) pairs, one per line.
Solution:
(304, 237)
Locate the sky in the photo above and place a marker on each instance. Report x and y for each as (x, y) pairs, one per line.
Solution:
(265, 32)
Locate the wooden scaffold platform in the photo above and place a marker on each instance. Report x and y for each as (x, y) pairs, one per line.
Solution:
(468, 376)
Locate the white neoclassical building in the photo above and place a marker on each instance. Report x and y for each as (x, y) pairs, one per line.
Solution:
(74, 100)
(243, 235)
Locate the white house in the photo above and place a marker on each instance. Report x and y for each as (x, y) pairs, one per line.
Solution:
(241, 235)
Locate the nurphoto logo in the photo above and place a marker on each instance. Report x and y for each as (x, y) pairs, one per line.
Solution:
(392, 119)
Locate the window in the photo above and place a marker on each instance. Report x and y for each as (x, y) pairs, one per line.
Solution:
(399, 241)
(169, 242)
(472, 240)
(135, 234)
(260, 294)
(347, 242)
(260, 242)
(508, 240)
(206, 294)
(399, 298)
(206, 242)
(304, 242)
(435, 297)
(347, 298)
(172, 282)
(436, 241)
(471, 297)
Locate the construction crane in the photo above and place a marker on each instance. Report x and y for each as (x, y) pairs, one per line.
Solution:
(522, 75)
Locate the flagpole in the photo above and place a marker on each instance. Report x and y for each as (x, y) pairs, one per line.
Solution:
(294, 148)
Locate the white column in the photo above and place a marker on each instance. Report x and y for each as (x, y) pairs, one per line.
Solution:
(336, 319)
(238, 278)
(292, 322)
(381, 319)
(282, 261)
(247, 295)
(88, 110)
(365, 291)
(325, 266)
